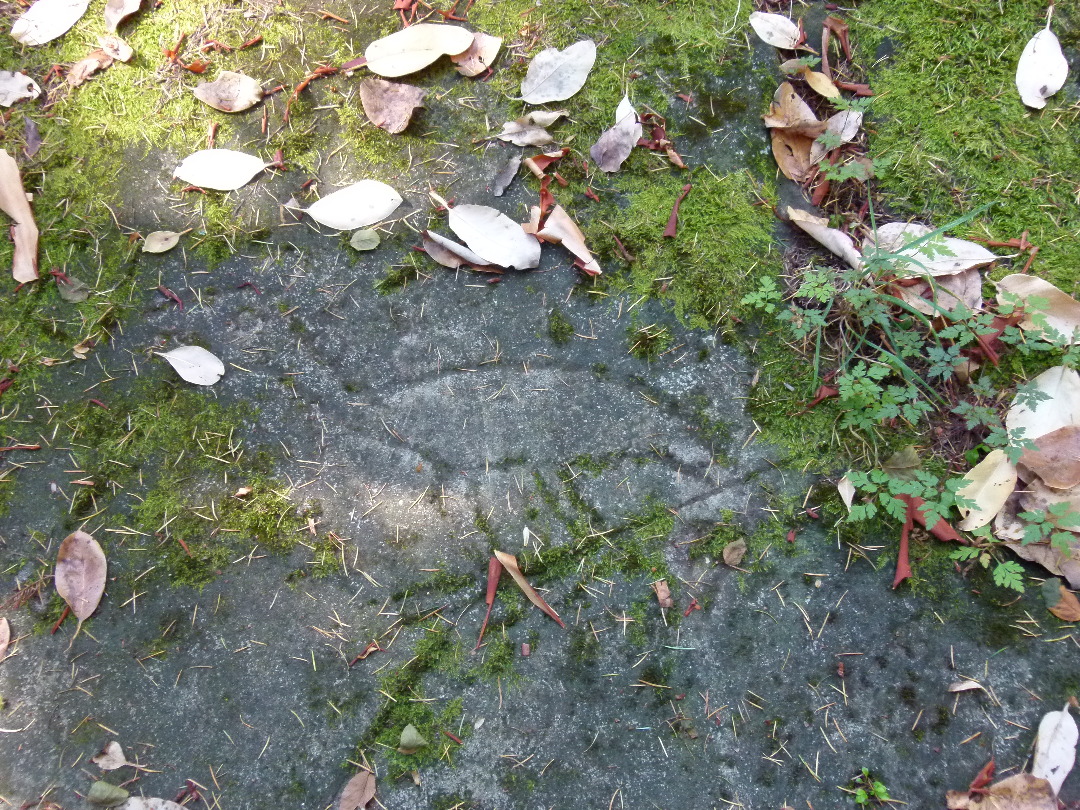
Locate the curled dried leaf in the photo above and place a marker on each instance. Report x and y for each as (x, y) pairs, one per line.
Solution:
(358, 792)
(734, 552)
(230, 92)
(663, 593)
(390, 105)
(13, 202)
(160, 241)
(509, 562)
(989, 484)
(16, 87)
(479, 56)
(80, 574)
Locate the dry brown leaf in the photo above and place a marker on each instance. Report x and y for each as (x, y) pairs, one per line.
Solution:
(562, 230)
(243, 492)
(1061, 313)
(1037, 496)
(663, 593)
(614, 145)
(1021, 791)
(1056, 459)
(820, 83)
(836, 241)
(792, 153)
(5, 637)
(789, 111)
(160, 241)
(479, 56)
(358, 792)
(734, 552)
(846, 125)
(116, 11)
(510, 563)
(1067, 609)
(116, 48)
(13, 202)
(1052, 559)
(948, 293)
(86, 67)
(450, 254)
(529, 130)
(80, 574)
(111, 757)
(1062, 406)
(989, 484)
(230, 92)
(965, 686)
(390, 105)
(505, 175)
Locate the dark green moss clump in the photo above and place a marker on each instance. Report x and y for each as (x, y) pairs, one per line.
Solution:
(560, 329)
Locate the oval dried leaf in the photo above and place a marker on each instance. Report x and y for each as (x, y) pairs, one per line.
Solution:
(116, 48)
(144, 803)
(820, 83)
(835, 240)
(734, 552)
(47, 19)
(160, 241)
(789, 111)
(111, 757)
(16, 87)
(1061, 408)
(364, 239)
(1058, 311)
(230, 92)
(1055, 748)
(1042, 69)
(73, 290)
(358, 792)
(846, 491)
(561, 229)
(792, 153)
(846, 124)
(80, 574)
(411, 740)
(614, 145)
(1061, 601)
(479, 56)
(219, 169)
(965, 686)
(914, 255)
(390, 105)
(1055, 459)
(195, 364)
(932, 295)
(355, 206)
(116, 11)
(106, 795)
(989, 484)
(556, 75)
(5, 637)
(775, 29)
(414, 48)
(494, 236)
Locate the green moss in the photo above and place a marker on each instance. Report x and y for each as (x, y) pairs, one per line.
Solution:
(560, 329)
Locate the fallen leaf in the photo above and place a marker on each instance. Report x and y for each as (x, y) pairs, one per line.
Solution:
(111, 757)
(86, 67)
(479, 56)
(1056, 458)
(13, 202)
(792, 153)
(1063, 603)
(106, 795)
(910, 253)
(671, 230)
(562, 230)
(1055, 748)
(230, 92)
(1060, 409)
(146, 803)
(820, 83)
(614, 146)
(789, 111)
(411, 740)
(1020, 791)
(449, 253)
(1042, 69)
(16, 87)
(1036, 496)
(116, 48)
(414, 48)
(509, 562)
(965, 686)
(219, 169)
(932, 295)
(1057, 311)
(47, 19)
(364, 239)
(494, 574)
(5, 637)
(903, 464)
(846, 125)
(160, 241)
(1049, 557)
(734, 552)
(836, 241)
(663, 593)
(358, 792)
(529, 130)
(80, 574)
(846, 490)
(116, 11)
(776, 30)
(355, 206)
(390, 105)
(73, 290)
(505, 175)
(556, 75)
(243, 492)
(32, 137)
(989, 484)
(195, 364)
(493, 236)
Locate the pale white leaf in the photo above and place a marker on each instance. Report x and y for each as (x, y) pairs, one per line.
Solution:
(111, 757)
(1055, 748)
(47, 19)
(195, 364)
(561, 229)
(1061, 408)
(13, 202)
(965, 686)
(775, 29)
(1042, 69)
(930, 295)
(230, 92)
(116, 11)
(1061, 313)
(364, 239)
(160, 241)
(846, 124)
(414, 48)
(989, 484)
(479, 56)
(449, 253)
(494, 237)
(5, 637)
(846, 489)
(836, 241)
(555, 75)
(938, 256)
(615, 144)
(355, 206)
(219, 169)
(16, 87)
(529, 129)
(147, 803)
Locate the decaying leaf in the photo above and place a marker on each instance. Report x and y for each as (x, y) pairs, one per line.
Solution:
(556, 75)
(230, 92)
(529, 130)
(80, 574)
(364, 239)
(219, 169)
(1056, 311)
(903, 464)
(390, 105)
(989, 484)
(734, 552)
(5, 637)
(965, 686)
(776, 30)
(493, 236)
(116, 11)
(836, 241)
(615, 144)
(846, 125)
(792, 153)
(663, 593)
(788, 111)
(358, 792)
(449, 253)
(72, 290)
(1061, 408)
(147, 803)
(1049, 557)
(561, 229)
(1021, 791)
(16, 87)
(937, 256)
(116, 48)
(160, 241)
(414, 48)
(411, 740)
(111, 757)
(1055, 748)
(106, 795)
(509, 562)
(1042, 69)
(505, 175)
(846, 490)
(479, 56)
(195, 364)
(86, 67)
(931, 295)
(46, 20)
(13, 202)
(1055, 459)
(1037, 496)
(355, 206)
(1064, 603)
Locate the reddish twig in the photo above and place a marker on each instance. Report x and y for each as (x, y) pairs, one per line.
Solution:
(494, 572)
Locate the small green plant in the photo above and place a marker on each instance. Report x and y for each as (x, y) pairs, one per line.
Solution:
(867, 790)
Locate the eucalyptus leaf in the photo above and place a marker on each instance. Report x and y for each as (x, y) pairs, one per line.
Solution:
(106, 795)
(411, 740)
(364, 239)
